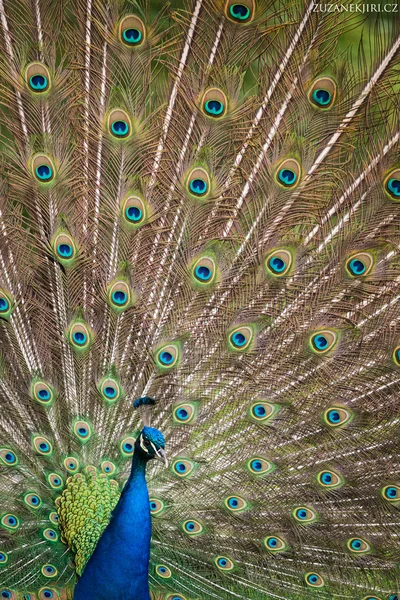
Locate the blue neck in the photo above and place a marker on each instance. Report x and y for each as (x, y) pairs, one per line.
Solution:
(121, 559)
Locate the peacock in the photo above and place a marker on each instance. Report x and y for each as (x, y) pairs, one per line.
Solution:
(199, 300)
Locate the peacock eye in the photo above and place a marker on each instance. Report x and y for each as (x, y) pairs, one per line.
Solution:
(260, 466)
(37, 77)
(337, 416)
(224, 563)
(198, 183)
(392, 185)
(288, 173)
(391, 493)
(3, 557)
(358, 546)
(330, 479)
(46, 593)
(192, 527)
(396, 356)
(323, 93)
(273, 543)
(278, 263)
(304, 514)
(168, 356)
(323, 341)
(240, 339)
(132, 31)
(50, 535)
(43, 168)
(7, 457)
(10, 522)
(183, 467)
(263, 411)
(240, 12)
(163, 571)
(359, 264)
(49, 571)
(214, 103)
(119, 124)
(314, 580)
(236, 503)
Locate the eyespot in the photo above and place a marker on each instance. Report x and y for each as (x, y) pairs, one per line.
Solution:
(132, 32)
(303, 514)
(168, 356)
(183, 467)
(108, 467)
(49, 571)
(163, 571)
(236, 503)
(157, 506)
(330, 479)
(174, 597)
(240, 339)
(119, 124)
(288, 173)
(392, 185)
(198, 183)
(323, 93)
(64, 248)
(274, 543)
(185, 413)
(395, 597)
(42, 393)
(260, 466)
(79, 336)
(263, 411)
(192, 527)
(8, 457)
(337, 416)
(54, 518)
(127, 446)
(110, 390)
(33, 500)
(396, 356)
(134, 211)
(314, 580)
(358, 546)
(224, 564)
(391, 597)
(46, 593)
(6, 305)
(10, 522)
(204, 271)
(55, 481)
(323, 341)
(278, 263)
(391, 493)
(42, 445)
(360, 264)
(119, 296)
(71, 464)
(3, 558)
(37, 77)
(214, 103)
(9, 594)
(43, 168)
(83, 431)
(240, 12)
(50, 535)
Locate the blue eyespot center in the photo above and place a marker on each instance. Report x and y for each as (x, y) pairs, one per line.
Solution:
(79, 337)
(320, 342)
(356, 544)
(12, 521)
(276, 264)
(44, 394)
(38, 83)
(391, 492)
(198, 186)
(110, 392)
(44, 172)
(239, 12)
(43, 446)
(233, 502)
(313, 578)
(132, 36)
(153, 506)
(83, 431)
(190, 526)
(287, 177)
(119, 297)
(128, 447)
(256, 465)
(326, 478)
(222, 562)
(180, 466)
(203, 273)
(166, 357)
(4, 304)
(120, 128)
(5, 594)
(72, 465)
(182, 414)
(10, 457)
(65, 250)
(272, 542)
(134, 213)
(302, 514)
(162, 569)
(214, 107)
(239, 339)
(394, 187)
(334, 416)
(322, 97)
(259, 410)
(35, 500)
(47, 594)
(357, 267)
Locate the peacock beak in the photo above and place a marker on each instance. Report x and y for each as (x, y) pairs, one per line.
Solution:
(160, 454)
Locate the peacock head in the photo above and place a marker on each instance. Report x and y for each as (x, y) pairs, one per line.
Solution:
(151, 444)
